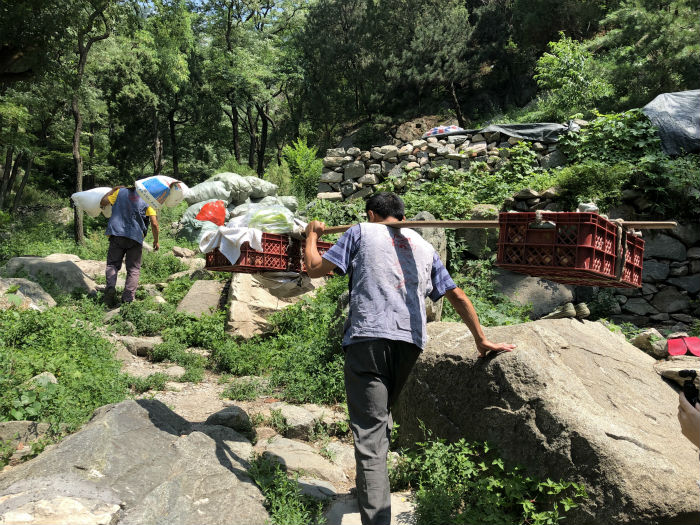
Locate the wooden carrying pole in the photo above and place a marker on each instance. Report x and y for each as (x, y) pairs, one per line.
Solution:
(637, 225)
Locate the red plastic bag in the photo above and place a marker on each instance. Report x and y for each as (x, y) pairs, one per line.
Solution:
(213, 212)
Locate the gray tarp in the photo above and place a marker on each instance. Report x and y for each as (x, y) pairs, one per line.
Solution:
(545, 132)
(677, 115)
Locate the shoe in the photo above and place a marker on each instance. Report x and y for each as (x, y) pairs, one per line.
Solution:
(582, 310)
(110, 297)
(564, 311)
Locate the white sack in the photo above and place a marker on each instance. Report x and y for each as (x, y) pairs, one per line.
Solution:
(89, 201)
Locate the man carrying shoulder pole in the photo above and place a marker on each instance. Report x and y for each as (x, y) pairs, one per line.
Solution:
(391, 271)
(127, 228)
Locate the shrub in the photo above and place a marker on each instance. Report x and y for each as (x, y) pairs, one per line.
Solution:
(59, 342)
(593, 181)
(612, 138)
(280, 175)
(232, 165)
(304, 167)
(468, 483)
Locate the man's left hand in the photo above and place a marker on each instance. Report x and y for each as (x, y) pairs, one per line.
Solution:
(156, 246)
(486, 347)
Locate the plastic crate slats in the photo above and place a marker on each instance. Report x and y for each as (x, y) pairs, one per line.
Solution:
(580, 250)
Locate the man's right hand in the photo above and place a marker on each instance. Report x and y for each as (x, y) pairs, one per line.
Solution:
(316, 227)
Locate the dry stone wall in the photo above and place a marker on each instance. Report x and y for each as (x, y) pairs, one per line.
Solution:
(352, 173)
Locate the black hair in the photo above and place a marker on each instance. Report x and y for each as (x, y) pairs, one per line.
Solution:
(386, 204)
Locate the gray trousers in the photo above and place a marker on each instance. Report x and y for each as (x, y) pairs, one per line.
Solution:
(124, 248)
(375, 373)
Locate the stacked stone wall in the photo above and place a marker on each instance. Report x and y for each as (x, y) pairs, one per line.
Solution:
(352, 173)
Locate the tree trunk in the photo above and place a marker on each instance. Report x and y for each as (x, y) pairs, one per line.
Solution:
(6, 173)
(173, 142)
(90, 179)
(252, 128)
(263, 142)
(236, 134)
(458, 108)
(78, 161)
(20, 190)
(13, 177)
(157, 146)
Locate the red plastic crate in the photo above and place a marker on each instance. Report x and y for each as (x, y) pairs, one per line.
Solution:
(580, 250)
(273, 257)
(298, 262)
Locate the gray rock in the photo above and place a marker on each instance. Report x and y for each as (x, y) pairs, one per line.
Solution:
(526, 194)
(652, 342)
(324, 187)
(475, 149)
(139, 346)
(345, 510)
(694, 253)
(655, 271)
(348, 187)
(374, 169)
(690, 283)
(336, 152)
(660, 317)
(368, 179)
(232, 417)
(300, 457)
(639, 306)
(695, 266)
(330, 196)
(31, 290)
(553, 160)
(362, 193)
(438, 239)
(574, 401)
(331, 176)
(183, 252)
(689, 233)
(142, 457)
(59, 268)
(317, 489)
(543, 295)
(670, 367)
(22, 431)
(203, 298)
(456, 139)
(354, 152)
(333, 162)
(341, 454)
(480, 241)
(684, 318)
(354, 170)
(670, 300)
(663, 246)
(299, 421)
(387, 167)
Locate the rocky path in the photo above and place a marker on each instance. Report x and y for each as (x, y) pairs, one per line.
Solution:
(305, 438)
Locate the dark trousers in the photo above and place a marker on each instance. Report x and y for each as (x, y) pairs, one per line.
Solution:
(375, 373)
(121, 248)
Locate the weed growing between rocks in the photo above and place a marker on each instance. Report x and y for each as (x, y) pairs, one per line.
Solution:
(283, 498)
(156, 381)
(468, 483)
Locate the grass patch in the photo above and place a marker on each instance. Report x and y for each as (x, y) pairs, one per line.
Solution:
(469, 483)
(176, 352)
(62, 342)
(283, 498)
(156, 381)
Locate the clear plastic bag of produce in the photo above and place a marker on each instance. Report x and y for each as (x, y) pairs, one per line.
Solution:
(270, 219)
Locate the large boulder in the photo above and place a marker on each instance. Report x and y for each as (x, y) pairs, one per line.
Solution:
(136, 462)
(203, 298)
(250, 304)
(480, 242)
(29, 290)
(543, 295)
(574, 401)
(58, 267)
(438, 238)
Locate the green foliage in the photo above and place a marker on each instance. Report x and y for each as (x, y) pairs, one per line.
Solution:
(305, 168)
(242, 390)
(521, 164)
(570, 78)
(56, 341)
(280, 175)
(477, 279)
(176, 352)
(177, 289)
(468, 483)
(157, 267)
(283, 498)
(139, 385)
(612, 138)
(593, 181)
(303, 356)
(235, 167)
(336, 213)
